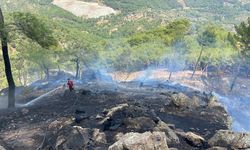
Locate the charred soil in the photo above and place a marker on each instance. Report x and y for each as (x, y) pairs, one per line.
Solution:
(111, 109)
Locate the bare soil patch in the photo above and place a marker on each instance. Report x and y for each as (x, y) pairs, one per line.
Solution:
(84, 9)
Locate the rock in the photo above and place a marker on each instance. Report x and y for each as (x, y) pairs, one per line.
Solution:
(98, 117)
(212, 101)
(217, 148)
(77, 137)
(25, 111)
(171, 136)
(195, 101)
(225, 138)
(194, 139)
(118, 136)
(110, 112)
(99, 137)
(171, 126)
(59, 123)
(2, 148)
(180, 100)
(3, 145)
(139, 123)
(71, 140)
(117, 108)
(181, 133)
(144, 141)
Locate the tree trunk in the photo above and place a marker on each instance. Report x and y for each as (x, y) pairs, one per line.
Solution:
(196, 65)
(77, 68)
(170, 75)
(235, 78)
(59, 69)
(41, 75)
(46, 71)
(7, 65)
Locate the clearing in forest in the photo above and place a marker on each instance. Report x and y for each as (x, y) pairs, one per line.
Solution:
(84, 9)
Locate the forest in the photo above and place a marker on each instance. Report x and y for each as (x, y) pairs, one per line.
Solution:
(144, 40)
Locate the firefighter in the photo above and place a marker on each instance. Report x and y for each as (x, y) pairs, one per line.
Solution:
(70, 85)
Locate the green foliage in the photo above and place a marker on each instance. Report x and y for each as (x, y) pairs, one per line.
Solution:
(35, 29)
(143, 33)
(128, 5)
(170, 33)
(243, 37)
(206, 38)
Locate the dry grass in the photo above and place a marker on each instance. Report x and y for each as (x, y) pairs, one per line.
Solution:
(200, 80)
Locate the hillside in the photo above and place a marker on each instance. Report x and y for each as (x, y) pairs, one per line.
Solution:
(221, 11)
(103, 111)
(107, 38)
(124, 74)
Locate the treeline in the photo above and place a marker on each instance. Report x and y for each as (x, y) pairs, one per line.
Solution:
(43, 46)
(177, 45)
(130, 6)
(128, 41)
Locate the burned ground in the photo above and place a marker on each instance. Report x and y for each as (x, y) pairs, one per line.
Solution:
(111, 108)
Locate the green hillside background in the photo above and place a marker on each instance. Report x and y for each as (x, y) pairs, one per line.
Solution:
(143, 34)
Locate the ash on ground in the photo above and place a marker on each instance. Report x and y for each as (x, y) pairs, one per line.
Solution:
(124, 116)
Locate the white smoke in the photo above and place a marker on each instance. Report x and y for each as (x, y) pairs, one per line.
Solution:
(239, 109)
(3, 102)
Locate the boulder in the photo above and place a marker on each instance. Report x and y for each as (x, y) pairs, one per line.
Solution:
(113, 117)
(171, 136)
(59, 123)
(195, 101)
(99, 137)
(72, 138)
(194, 139)
(118, 136)
(212, 101)
(115, 109)
(180, 100)
(226, 138)
(76, 137)
(141, 141)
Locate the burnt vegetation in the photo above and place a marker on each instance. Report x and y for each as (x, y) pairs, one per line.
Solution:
(139, 75)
